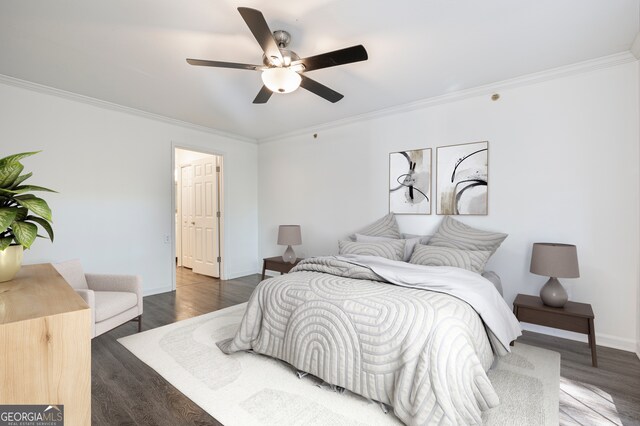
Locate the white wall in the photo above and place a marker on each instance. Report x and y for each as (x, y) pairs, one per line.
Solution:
(114, 174)
(563, 168)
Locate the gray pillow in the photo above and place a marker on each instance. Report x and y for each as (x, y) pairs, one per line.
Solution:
(393, 249)
(424, 239)
(454, 234)
(471, 260)
(495, 280)
(384, 227)
(409, 244)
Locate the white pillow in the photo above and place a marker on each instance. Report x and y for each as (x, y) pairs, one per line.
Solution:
(409, 245)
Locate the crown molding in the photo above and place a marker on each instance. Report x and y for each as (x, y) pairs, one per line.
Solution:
(578, 68)
(47, 90)
(528, 79)
(635, 47)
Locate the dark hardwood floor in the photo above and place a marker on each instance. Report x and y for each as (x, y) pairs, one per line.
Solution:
(125, 391)
(185, 276)
(607, 395)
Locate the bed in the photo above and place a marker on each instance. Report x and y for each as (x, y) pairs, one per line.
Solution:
(419, 339)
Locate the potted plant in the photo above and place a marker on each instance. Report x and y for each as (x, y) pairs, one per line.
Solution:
(20, 214)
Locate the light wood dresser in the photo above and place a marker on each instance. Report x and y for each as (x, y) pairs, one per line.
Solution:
(45, 343)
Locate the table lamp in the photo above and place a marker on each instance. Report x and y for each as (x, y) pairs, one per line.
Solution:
(289, 235)
(554, 260)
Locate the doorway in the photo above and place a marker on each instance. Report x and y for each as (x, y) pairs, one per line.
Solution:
(198, 213)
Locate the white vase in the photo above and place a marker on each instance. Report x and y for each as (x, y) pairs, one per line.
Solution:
(10, 262)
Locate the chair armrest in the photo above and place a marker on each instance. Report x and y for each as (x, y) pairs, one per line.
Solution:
(108, 282)
(90, 299)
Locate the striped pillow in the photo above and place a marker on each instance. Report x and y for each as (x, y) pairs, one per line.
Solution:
(471, 260)
(393, 249)
(424, 239)
(384, 227)
(409, 244)
(454, 234)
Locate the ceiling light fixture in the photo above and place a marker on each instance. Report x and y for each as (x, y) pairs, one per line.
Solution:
(281, 80)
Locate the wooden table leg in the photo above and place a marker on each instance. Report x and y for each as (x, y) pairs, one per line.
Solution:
(592, 343)
(264, 269)
(515, 312)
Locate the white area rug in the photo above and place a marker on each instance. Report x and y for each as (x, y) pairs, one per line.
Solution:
(248, 389)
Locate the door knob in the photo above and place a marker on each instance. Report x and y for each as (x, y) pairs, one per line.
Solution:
(193, 223)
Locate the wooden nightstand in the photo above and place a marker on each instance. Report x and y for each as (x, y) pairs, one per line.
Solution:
(277, 264)
(573, 316)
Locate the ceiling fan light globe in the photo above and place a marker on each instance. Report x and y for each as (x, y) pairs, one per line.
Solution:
(281, 80)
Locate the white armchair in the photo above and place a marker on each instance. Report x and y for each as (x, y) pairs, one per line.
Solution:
(113, 299)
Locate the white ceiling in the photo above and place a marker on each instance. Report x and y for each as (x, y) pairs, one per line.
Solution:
(132, 52)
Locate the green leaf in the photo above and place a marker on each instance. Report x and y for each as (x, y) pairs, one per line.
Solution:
(9, 172)
(22, 213)
(7, 216)
(5, 242)
(8, 192)
(36, 205)
(25, 233)
(21, 179)
(27, 188)
(45, 225)
(17, 157)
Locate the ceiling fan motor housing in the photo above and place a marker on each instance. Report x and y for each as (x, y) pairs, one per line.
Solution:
(282, 38)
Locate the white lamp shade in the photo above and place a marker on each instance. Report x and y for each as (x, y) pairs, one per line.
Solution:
(289, 235)
(281, 80)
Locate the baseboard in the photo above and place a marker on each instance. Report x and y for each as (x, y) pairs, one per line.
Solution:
(638, 348)
(156, 290)
(238, 274)
(601, 339)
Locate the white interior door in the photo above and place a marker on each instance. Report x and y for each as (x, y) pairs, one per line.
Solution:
(205, 209)
(186, 212)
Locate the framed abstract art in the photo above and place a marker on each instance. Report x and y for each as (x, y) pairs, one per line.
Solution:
(410, 182)
(462, 179)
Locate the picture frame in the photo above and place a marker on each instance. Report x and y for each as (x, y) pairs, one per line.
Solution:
(462, 179)
(410, 174)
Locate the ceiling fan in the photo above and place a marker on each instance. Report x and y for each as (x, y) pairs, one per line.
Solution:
(283, 69)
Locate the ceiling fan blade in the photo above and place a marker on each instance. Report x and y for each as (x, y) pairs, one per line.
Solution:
(331, 59)
(320, 89)
(263, 96)
(205, 63)
(258, 26)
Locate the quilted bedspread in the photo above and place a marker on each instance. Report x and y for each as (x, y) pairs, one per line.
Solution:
(424, 353)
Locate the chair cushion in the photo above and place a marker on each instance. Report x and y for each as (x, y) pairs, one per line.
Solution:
(72, 273)
(112, 303)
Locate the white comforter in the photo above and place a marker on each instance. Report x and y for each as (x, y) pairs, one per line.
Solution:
(425, 353)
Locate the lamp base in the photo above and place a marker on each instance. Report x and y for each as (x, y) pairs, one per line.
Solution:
(553, 294)
(289, 255)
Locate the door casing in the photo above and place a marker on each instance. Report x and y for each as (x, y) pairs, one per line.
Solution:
(222, 201)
